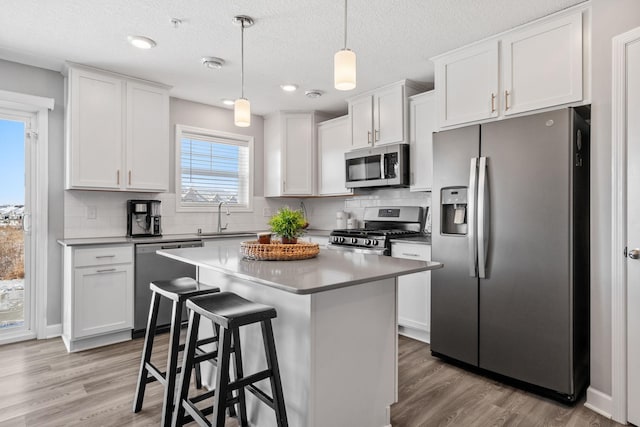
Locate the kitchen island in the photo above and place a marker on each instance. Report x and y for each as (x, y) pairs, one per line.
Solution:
(336, 330)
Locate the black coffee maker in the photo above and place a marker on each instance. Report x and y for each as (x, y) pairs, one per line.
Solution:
(143, 218)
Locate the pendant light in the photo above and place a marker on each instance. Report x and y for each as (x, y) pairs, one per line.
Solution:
(344, 63)
(242, 107)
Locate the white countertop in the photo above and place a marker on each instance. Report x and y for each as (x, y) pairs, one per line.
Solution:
(329, 270)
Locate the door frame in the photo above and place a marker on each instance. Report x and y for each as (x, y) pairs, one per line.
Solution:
(618, 225)
(39, 107)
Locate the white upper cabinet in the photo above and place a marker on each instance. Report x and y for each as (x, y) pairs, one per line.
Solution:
(94, 133)
(117, 133)
(381, 116)
(333, 142)
(290, 154)
(361, 118)
(536, 66)
(147, 137)
(543, 65)
(467, 85)
(422, 124)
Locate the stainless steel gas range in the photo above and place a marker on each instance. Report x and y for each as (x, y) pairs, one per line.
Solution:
(381, 224)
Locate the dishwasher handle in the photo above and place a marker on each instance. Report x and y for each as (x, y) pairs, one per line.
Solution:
(172, 247)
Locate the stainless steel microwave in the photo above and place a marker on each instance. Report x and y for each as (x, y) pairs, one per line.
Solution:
(385, 165)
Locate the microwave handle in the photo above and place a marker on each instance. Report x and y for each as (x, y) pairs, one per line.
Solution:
(383, 165)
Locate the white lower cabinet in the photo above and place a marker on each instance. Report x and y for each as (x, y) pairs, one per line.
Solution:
(98, 296)
(414, 293)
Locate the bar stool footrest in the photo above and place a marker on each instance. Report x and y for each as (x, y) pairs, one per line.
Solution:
(264, 397)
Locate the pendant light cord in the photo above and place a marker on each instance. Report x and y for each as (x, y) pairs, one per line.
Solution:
(345, 24)
(242, 58)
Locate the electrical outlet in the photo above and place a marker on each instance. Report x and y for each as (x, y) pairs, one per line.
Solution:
(266, 212)
(92, 212)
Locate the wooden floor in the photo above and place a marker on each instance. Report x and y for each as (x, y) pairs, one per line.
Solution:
(42, 385)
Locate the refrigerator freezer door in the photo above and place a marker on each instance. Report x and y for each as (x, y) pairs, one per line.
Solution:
(454, 294)
(525, 301)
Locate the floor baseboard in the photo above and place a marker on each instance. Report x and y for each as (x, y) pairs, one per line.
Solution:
(599, 402)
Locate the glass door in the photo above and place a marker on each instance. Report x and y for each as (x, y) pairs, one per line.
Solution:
(16, 299)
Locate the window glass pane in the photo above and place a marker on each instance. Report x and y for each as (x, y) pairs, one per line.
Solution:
(213, 170)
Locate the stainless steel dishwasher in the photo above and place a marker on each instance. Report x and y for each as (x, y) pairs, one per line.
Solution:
(150, 266)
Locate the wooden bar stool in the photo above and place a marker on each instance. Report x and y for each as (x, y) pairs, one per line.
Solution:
(228, 312)
(177, 290)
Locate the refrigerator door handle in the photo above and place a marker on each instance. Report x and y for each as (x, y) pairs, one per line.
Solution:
(471, 215)
(483, 217)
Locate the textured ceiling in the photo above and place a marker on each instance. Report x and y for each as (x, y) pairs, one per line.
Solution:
(291, 41)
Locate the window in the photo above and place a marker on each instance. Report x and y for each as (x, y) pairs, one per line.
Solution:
(213, 167)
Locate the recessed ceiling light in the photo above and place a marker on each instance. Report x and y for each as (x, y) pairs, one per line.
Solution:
(229, 102)
(142, 42)
(289, 87)
(212, 62)
(313, 93)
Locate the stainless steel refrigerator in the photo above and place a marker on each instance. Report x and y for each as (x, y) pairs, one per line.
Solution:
(511, 225)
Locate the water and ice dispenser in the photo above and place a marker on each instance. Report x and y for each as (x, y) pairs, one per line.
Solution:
(453, 205)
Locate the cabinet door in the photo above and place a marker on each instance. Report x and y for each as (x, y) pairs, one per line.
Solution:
(333, 142)
(389, 116)
(95, 134)
(103, 299)
(361, 118)
(543, 65)
(467, 85)
(147, 138)
(422, 124)
(414, 291)
(298, 134)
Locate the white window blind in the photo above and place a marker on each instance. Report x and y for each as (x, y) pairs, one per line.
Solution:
(213, 170)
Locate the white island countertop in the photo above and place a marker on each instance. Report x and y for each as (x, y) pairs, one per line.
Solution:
(330, 269)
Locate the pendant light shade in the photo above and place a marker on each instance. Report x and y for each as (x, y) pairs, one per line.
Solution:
(344, 70)
(242, 106)
(242, 113)
(344, 63)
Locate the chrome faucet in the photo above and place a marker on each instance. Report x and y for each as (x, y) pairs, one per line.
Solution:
(220, 227)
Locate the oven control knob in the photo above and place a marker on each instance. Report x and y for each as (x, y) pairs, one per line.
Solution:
(375, 243)
(340, 239)
(354, 240)
(368, 242)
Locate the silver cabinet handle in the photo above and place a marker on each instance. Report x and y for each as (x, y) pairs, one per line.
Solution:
(483, 217)
(105, 256)
(106, 270)
(369, 137)
(634, 253)
(506, 99)
(471, 215)
(377, 134)
(408, 254)
(493, 102)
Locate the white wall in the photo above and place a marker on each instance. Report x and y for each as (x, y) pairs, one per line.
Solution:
(610, 18)
(37, 81)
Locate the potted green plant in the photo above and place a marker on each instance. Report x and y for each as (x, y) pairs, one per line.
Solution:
(288, 224)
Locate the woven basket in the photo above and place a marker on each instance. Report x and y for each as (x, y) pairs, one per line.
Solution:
(276, 251)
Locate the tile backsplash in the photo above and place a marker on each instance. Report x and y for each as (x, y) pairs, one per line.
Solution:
(103, 213)
(322, 211)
